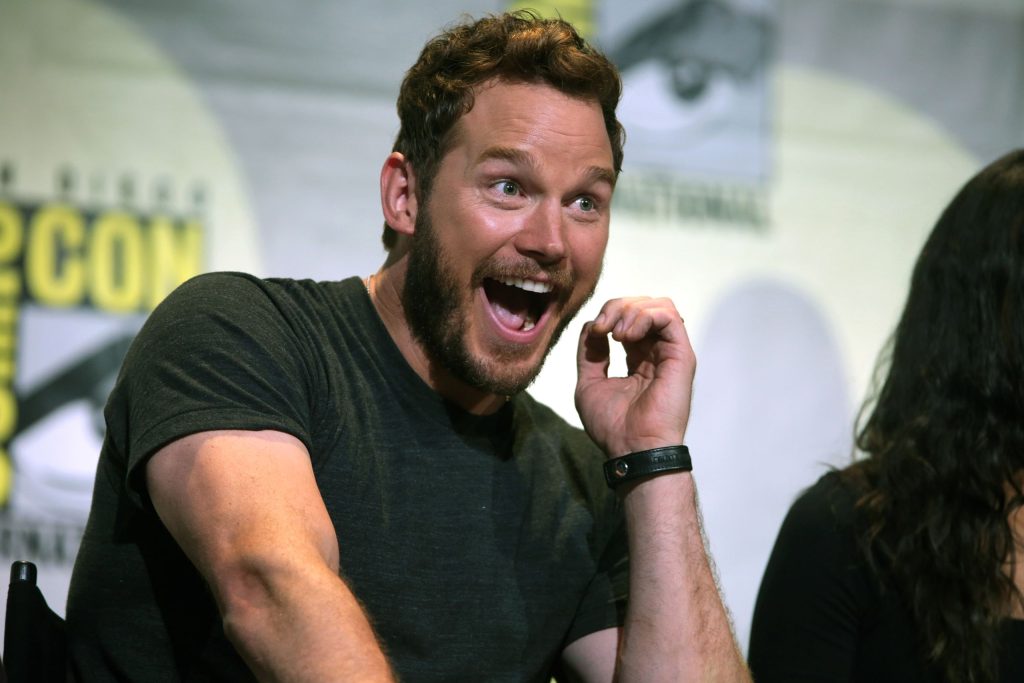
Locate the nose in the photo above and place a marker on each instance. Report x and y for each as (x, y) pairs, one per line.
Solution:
(542, 235)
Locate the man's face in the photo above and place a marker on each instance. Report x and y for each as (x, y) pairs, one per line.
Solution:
(510, 242)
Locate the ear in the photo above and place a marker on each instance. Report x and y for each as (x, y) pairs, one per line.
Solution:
(398, 194)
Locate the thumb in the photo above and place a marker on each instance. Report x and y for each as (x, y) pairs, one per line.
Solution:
(593, 356)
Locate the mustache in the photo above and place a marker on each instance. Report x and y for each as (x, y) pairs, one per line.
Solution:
(561, 277)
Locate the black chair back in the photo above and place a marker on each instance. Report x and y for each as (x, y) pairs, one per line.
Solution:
(35, 642)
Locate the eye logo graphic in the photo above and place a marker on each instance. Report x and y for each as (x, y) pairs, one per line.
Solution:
(696, 110)
(695, 42)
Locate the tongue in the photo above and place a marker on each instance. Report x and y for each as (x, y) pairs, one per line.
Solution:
(511, 319)
(511, 305)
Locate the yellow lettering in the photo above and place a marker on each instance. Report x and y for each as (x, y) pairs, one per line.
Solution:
(8, 316)
(54, 268)
(8, 413)
(10, 284)
(115, 263)
(120, 263)
(174, 256)
(11, 233)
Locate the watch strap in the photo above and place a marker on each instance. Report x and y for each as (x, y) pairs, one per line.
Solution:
(647, 463)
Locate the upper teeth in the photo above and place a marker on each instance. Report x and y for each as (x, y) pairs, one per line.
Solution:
(528, 285)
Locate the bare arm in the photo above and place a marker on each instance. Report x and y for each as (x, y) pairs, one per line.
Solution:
(245, 508)
(676, 626)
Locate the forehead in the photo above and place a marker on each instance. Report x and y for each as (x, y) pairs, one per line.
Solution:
(533, 116)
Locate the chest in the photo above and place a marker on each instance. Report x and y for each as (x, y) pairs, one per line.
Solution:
(466, 550)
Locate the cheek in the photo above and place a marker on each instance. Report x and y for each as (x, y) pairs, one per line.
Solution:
(588, 253)
(484, 230)
(465, 237)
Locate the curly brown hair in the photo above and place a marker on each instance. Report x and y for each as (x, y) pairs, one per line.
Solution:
(516, 46)
(945, 435)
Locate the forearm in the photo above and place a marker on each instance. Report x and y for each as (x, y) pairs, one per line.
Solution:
(676, 626)
(300, 624)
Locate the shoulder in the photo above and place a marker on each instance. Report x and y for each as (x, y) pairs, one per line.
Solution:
(818, 534)
(230, 319)
(827, 506)
(816, 593)
(232, 301)
(234, 287)
(217, 294)
(217, 285)
(817, 548)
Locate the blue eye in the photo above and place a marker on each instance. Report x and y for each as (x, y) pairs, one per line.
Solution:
(587, 204)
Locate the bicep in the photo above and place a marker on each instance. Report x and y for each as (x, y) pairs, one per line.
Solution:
(235, 496)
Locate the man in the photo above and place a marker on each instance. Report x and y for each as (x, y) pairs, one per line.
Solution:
(347, 482)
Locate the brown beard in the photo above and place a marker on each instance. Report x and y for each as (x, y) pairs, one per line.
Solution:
(435, 307)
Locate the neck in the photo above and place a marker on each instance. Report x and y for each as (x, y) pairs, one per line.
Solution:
(385, 290)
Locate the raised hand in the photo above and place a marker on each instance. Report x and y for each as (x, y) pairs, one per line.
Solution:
(650, 406)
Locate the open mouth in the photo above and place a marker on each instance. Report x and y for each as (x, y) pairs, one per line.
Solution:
(518, 304)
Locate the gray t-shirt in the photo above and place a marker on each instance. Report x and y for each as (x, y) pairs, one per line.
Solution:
(479, 546)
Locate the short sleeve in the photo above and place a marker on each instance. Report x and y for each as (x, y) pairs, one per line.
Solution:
(813, 595)
(218, 353)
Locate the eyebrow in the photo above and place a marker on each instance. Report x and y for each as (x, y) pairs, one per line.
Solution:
(593, 174)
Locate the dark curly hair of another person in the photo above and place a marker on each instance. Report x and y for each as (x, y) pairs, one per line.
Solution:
(945, 433)
(516, 47)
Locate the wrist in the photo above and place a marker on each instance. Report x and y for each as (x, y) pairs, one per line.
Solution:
(619, 449)
(644, 464)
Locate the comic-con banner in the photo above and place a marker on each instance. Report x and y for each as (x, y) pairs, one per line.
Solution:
(116, 185)
(79, 275)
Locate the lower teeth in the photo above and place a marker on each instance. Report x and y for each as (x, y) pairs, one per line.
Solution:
(528, 325)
